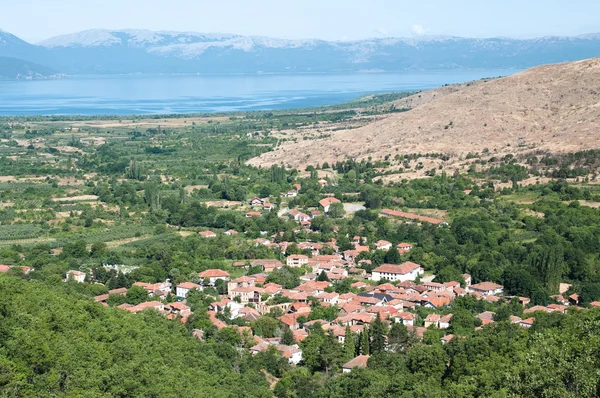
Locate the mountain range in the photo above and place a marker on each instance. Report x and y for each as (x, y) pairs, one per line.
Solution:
(144, 51)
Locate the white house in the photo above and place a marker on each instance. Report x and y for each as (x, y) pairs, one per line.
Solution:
(407, 271)
(383, 245)
(76, 276)
(487, 288)
(327, 202)
(183, 289)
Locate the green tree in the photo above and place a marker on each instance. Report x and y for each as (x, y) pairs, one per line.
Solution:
(378, 332)
(136, 295)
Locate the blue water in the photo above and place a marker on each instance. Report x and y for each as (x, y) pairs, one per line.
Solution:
(143, 94)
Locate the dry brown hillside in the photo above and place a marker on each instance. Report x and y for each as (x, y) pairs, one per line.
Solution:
(552, 108)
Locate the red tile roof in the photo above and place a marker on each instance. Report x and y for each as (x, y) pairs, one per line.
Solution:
(213, 273)
(358, 362)
(402, 269)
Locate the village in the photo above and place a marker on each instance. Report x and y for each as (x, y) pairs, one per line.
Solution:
(392, 293)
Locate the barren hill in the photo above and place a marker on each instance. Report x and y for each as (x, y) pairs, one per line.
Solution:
(553, 108)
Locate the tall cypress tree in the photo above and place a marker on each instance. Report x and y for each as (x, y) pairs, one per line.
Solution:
(378, 332)
(349, 344)
(365, 343)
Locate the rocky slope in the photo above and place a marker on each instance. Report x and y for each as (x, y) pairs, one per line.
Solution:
(553, 108)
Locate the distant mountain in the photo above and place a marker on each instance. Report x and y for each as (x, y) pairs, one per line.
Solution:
(14, 68)
(143, 51)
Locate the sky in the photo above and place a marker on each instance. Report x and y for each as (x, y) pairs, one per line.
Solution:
(35, 20)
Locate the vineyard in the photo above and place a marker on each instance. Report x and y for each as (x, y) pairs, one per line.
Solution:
(19, 232)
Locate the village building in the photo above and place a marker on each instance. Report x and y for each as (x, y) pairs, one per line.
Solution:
(296, 260)
(327, 202)
(74, 275)
(486, 288)
(183, 289)
(213, 275)
(407, 271)
(358, 362)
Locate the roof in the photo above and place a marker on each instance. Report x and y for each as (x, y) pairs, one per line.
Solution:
(189, 285)
(486, 286)
(327, 201)
(213, 273)
(402, 269)
(298, 256)
(358, 362)
(206, 233)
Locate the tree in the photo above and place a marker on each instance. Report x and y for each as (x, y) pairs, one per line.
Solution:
(378, 332)
(349, 344)
(336, 210)
(392, 256)
(398, 337)
(136, 295)
(323, 277)
(287, 338)
(365, 343)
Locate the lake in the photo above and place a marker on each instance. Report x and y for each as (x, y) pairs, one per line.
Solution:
(165, 94)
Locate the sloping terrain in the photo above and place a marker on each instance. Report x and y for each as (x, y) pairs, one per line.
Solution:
(553, 108)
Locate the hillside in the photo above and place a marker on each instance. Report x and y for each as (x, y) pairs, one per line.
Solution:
(57, 342)
(552, 108)
(14, 68)
(144, 51)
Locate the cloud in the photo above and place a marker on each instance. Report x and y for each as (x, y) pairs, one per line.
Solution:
(418, 29)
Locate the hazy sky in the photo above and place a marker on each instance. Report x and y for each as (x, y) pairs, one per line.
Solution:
(35, 20)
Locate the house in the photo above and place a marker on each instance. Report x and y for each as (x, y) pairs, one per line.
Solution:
(251, 214)
(292, 193)
(358, 362)
(213, 274)
(487, 288)
(383, 245)
(315, 213)
(404, 247)
(432, 320)
(261, 241)
(242, 281)
(207, 234)
(407, 318)
(407, 271)
(446, 339)
(299, 216)
(183, 288)
(445, 321)
(249, 294)
(231, 232)
(268, 206)
(327, 202)
(76, 276)
(256, 201)
(323, 182)
(292, 353)
(296, 260)
(267, 265)
(527, 323)
(157, 305)
(4, 268)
